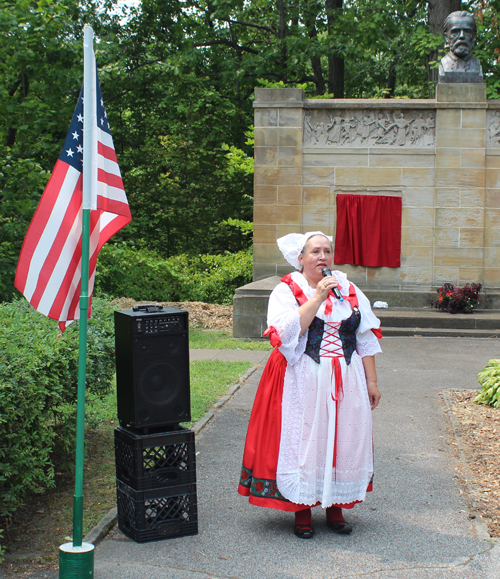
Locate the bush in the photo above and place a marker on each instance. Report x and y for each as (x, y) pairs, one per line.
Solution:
(38, 391)
(489, 378)
(21, 184)
(123, 271)
(212, 279)
(460, 300)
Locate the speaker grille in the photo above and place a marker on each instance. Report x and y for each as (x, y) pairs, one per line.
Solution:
(160, 383)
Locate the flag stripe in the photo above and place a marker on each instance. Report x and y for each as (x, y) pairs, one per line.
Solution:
(109, 230)
(113, 206)
(109, 167)
(56, 262)
(38, 223)
(67, 297)
(107, 152)
(112, 194)
(62, 269)
(110, 179)
(63, 214)
(58, 295)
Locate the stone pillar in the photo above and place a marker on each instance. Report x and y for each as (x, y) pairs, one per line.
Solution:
(278, 174)
(492, 203)
(460, 183)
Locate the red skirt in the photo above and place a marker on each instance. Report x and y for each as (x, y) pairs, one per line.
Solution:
(262, 445)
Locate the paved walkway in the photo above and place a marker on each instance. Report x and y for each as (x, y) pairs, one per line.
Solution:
(415, 525)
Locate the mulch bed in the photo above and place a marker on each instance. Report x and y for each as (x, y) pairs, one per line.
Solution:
(478, 430)
(209, 316)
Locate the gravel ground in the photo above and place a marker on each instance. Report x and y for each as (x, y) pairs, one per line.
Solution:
(479, 434)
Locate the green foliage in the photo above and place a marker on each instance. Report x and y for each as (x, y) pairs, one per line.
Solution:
(424, 41)
(489, 378)
(123, 271)
(21, 184)
(178, 80)
(487, 47)
(211, 279)
(41, 74)
(185, 177)
(38, 386)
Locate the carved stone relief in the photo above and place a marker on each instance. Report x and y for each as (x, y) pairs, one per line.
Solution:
(369, 128)
(493, 126)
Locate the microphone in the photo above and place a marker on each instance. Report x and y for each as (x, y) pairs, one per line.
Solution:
(336, 292)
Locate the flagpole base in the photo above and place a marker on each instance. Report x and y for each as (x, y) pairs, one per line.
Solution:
(76, 562)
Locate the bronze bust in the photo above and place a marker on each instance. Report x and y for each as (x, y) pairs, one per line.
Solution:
(460, 65)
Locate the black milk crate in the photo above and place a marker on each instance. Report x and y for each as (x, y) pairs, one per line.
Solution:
(158, 513)
(149, 461)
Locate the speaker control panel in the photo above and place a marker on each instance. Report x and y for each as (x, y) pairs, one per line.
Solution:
(158, 324)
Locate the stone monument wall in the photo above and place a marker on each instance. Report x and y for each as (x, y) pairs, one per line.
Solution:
(442, 157)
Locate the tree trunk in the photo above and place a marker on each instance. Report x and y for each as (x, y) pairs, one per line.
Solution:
(319, 80)
(335, 60)
(282, 36)
(23, 83)
(438, 10)
(391, 81)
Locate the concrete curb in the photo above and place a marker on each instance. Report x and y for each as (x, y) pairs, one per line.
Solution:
(104, 526)
(479, 524)
(97, 534)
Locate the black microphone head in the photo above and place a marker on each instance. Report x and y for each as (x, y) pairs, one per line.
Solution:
(326, 272)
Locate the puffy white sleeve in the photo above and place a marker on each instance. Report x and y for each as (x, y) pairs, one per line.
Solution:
(283, 316)
(367, 343)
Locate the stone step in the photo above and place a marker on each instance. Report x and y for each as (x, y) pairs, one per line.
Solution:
(421, 318)
(409, 313)
(416, 332)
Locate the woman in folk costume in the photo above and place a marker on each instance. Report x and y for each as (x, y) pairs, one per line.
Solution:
(309, 440)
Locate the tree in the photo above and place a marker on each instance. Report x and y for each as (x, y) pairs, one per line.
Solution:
(488, 42)
(178, 79)
(438, 10)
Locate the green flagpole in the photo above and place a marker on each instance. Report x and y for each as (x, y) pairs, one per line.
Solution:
(76, 559)
(82, 378)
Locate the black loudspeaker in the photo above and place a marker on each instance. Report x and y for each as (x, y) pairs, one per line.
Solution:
(152, 367)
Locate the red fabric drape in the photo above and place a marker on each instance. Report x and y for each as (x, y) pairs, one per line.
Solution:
(368, 230)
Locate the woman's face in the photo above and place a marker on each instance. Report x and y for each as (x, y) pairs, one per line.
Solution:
(316, 255)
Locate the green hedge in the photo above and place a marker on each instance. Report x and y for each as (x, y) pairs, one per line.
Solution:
(123, 271)
(212, 279)
(38, 389)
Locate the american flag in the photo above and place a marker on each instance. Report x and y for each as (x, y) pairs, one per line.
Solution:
(49, 268)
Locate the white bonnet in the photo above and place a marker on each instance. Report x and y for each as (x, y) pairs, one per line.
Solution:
(291, 245)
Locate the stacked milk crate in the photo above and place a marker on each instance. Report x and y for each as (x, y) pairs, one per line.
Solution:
(156, 484)
(155, 456)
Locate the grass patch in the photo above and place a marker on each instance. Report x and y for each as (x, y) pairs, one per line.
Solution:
(45, 521)
(223, 340)
(210, 380)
